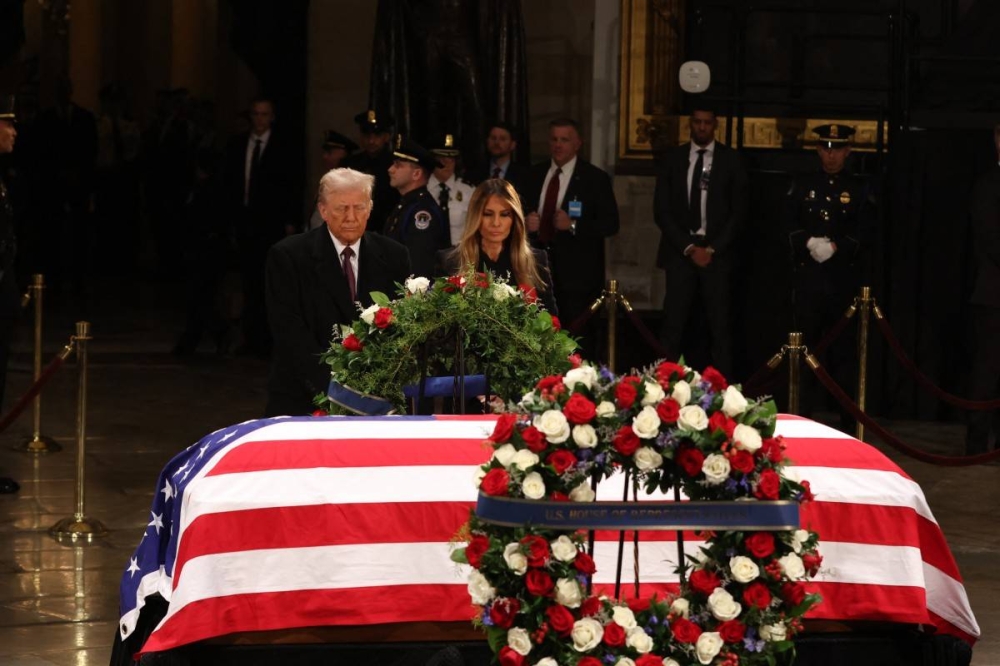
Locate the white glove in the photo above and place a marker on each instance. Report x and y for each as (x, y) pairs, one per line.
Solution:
(820, 249)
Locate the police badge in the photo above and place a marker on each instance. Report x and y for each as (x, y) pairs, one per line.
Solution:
(422, 220)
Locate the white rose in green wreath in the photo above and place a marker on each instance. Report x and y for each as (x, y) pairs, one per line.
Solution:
(670, 662)
(774, 632)
(587, 634)
(746, 438)
(799, 537)
(605, 409)
(582, 493)
(639, 640)
(480, 589)
(652, 393)
(646, 424)
(585, 375)
(553, 424)
(723, 606)
(505, 455)
(368, 314)
(585, 436)
(519, 641)
(623, 617)
(525, 459)
(692, 418)
(681, 607)
(733, 402)
(791, 566)
(647, 459)
(515, 559)
(533, 486)
(547, 661)
(502, 291)
(563, 549)
(708, 647)
(681, 393)
(743, 568)
(716, 469)
(568, 592)
(417, 285)
(625, 661)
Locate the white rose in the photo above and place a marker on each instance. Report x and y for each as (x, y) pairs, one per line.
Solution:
(716, 468)
(708, 646)
(515, 559)
(681, 607)
(480, 589)
(799, 537)
(547, 661)
(681, 393)
(695, 375)
(746, 438)
(670, 662)
(774, 632)
(368, 314)
(625, 661)
(623, 617)
(568, 592)
(587, 634)
(647, 459)
(744, 569)
(585, 436)
(692, 418)
(563, 549)
(638, 639)
(585, 375)
(733, 402)
(553, 424)
(524, 459)
(646, 423)
(505, 454)
(653, 393)
(501, 291)
(519, 641)
(791, 566)
(582, 493)
(417, 285)
(528, 399)
(722, 605)
(478, 476)
(533, 486)
(605, 409)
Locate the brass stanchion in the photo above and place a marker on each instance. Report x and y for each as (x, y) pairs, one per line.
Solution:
(37, 443)
(865, 301)
(79, 527)
(611, 301)
(795, 349)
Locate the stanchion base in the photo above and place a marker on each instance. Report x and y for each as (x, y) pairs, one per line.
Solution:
(38, 446)
(76, 529)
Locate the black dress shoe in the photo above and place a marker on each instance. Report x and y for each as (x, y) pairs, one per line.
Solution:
(8, 486)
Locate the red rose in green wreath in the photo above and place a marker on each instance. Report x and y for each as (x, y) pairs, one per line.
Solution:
(481, 281)
(668, 410)
(579, 410)
(547, 383)
(589, 661)
(508, 657)
(732, 631)
(503, 612)
(704, 581)
(719, 421)
(812, 562)
(584, 563)
(560, 619)
(742, 461)
(538, 551)
(626, 392)
(383, 317)
(529, 293)
(478, 545)
(614, 635)
(504, 428)
(649, 660)
(690, 459)
(591, 606)
(768, 486)
(353, 344)
(556, 324)
(495, 482)
(760, 544)
(715, 378)
(534, 439)
(626, 441)
(538, 583)
(772, 449)
(667, 372)
(757, 595)
(685, 630)
(561, 460)
(793, 593)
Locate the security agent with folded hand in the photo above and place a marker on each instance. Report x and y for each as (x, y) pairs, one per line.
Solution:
(831, 216)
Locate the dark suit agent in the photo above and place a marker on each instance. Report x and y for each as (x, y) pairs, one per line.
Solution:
(572, 210)
(417, 221)
(375, 158)
(500, 146)
(260, 194)
(314, 282)
(9, 297)
(336, 149)
(831, 218)
(700, 206)
(985, 300)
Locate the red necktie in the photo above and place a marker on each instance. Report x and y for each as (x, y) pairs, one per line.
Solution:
(548, 228)
(349, 272)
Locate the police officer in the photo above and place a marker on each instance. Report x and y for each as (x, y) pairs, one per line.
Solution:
(9, 298)
(831, 219)
(417, 221)
(375, 158)
(452, 193)
(336, 148)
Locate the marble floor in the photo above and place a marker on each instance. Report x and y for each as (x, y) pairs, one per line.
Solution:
(59, 604)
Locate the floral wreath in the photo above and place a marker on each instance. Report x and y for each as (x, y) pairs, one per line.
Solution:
(508, 337)
(744, 593)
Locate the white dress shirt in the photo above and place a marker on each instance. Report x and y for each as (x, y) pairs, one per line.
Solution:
(248, 160)
(459, 193)
(705, 170)
(564, 177)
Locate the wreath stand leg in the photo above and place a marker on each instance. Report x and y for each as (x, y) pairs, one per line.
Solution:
(681, 565)
(621, 545)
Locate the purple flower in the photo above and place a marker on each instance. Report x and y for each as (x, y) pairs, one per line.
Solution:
(606, 374)
(730, 552)
(600, 458)
(610, 659)
(731, 484)
(584, 454)
(753, 645)
(582, 580)
(706, 401)
(653, 620)
(487, 621)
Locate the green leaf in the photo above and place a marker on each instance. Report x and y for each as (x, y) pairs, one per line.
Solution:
(380, 299)
(458, 555)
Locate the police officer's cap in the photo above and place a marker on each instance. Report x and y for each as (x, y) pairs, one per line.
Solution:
(446, 146)
(7, 111)
(409, 150)
(372, 122)
(333, 140)
(834, 136)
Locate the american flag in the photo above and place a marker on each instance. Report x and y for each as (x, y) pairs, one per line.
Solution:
(296, 522)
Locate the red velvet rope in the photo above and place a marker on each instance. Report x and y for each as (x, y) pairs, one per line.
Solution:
(924, 380)
(30, 394)
(646, 334)
(892, 440)
(578, 323)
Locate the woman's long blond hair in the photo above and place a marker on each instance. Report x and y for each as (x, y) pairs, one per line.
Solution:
(469, 247)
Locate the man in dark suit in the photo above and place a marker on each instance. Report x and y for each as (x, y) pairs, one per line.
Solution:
(500, 146)
(985, 300)
(571, 209)
(9, 296)
(261, 197)
(375, 158)
(699, 205)
(315, 280)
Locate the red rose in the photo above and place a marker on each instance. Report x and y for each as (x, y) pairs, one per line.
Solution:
(534, 439)
(353, 344)
(807, 493)
(649, 660)
(319, 412)
(715, 378)
(668, 410)
(575, 360)
(614, 635)
(768, 485)
(495, 482)
(757, 595)
(667, 371)
(742, 461)
(760, 544)
(793, 593)
(773, 450)
(558, 496)
(579, 410)
(625, 392)
(503, 611)
(560, 619)
(812, 562)
(731, 631)
(383, 317)
(626, 442)
(454, 283)
(504, 428)
(591, 606)
(538, 582)
(508, 657)
(528, 293)
(478, 545)
(556, 324)
(481, 281)
(685, 631)
(538, 550)
(584, 563)
(704, 581)
(546, 383)
(690, 459)
(589, 661)
(561, 460)
(719, 421)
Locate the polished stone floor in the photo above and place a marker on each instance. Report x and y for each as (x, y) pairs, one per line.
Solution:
(59, 604)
